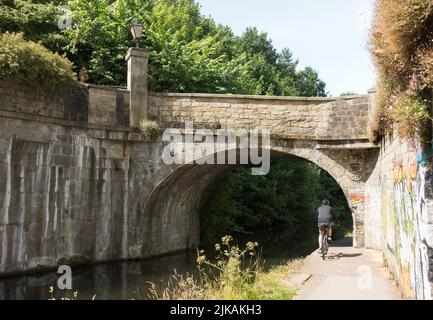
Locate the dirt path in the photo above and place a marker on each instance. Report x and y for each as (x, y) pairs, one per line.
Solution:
(347, 274)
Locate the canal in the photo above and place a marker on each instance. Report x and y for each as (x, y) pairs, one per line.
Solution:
(129, 280)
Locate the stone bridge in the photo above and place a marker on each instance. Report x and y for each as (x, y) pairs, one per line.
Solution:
(79, 183)
(330, 132)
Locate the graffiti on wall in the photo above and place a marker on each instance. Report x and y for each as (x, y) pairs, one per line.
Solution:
(356, 199)
(403, 213)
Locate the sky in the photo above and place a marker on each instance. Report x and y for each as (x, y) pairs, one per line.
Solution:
(329, 35)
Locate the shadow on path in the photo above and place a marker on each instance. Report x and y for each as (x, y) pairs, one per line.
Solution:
(343, 243)
(338, 276)
(344, 255)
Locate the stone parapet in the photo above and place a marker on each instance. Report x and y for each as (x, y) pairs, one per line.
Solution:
(287, 117)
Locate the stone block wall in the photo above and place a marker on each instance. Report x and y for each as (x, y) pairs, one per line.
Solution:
(108, 106)
(68, 103)
(76, 194)
(61, 197)
(399, 215)
(286, 117)
(98, 105)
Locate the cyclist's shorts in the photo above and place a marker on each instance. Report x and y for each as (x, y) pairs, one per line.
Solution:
(320, 223)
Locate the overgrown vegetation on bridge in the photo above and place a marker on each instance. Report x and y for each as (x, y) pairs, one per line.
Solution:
(402, 44)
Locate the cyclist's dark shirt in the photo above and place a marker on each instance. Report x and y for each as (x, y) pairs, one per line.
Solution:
(324, 214)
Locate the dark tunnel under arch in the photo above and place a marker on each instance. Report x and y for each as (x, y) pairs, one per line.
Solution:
(173, 207)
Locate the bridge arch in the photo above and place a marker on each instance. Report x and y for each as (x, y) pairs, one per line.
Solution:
(174, 204)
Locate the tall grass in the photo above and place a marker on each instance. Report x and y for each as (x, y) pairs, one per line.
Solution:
(235, 274)
(149, 129)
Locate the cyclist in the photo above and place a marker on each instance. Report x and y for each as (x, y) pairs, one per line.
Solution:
(324, 218)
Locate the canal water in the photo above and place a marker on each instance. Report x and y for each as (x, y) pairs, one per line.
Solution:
(128, 280)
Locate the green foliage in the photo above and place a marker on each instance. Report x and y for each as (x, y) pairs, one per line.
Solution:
(408, 113)
(272, 73)
(284, 201)
(189, 52)
(402, 44)
(30, 63)
(309, 83)
(348, 93)
(100, 37)
(235, 274)
(234, 278)
(36, 19)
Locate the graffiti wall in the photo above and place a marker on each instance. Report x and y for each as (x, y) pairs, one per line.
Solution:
(402, 179)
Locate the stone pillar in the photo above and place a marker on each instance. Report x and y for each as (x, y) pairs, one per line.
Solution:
(371, 124)
(137, 59)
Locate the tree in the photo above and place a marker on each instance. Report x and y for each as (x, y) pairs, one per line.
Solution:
(100, 37)
(309, 84)
(287, 75)
(36, 19)
(273, 73)
(283, 202)
(189, 52)
(348, 93)
(29, 63)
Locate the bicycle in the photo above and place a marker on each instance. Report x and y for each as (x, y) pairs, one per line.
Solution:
(325, 246)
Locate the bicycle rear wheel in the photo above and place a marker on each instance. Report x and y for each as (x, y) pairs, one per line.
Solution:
(324, 247)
